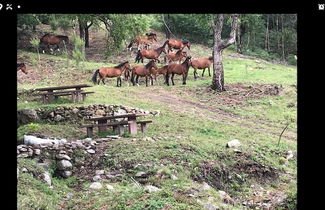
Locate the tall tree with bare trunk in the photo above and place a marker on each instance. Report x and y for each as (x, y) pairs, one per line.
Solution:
(218, 46)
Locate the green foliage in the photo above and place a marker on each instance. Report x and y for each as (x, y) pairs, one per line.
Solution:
(124, 27)
(27, 21)
(78, 52)
(292, 60)
(31, 165)
(25, 130)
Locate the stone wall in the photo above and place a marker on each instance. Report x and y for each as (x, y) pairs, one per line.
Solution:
(74, 113)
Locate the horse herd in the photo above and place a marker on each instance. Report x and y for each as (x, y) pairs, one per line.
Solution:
(151, 70)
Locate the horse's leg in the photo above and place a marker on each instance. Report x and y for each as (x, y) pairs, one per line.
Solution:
(137, 80)
(195, 77)
(167, 79)
(151, 80)
(173, 78)
(184, 78)
(203, 72)
(209, 71)
(146, 81)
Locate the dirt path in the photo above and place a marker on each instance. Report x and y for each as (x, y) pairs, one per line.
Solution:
(183, 105)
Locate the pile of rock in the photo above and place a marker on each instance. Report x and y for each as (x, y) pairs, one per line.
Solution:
(75, 113)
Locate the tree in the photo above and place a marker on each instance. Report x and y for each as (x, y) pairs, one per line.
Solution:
(85, 21)
(218, 46)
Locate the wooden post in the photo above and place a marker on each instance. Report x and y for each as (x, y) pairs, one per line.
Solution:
(133, 127)
(89, 132)
(119, 129)
(143, 127)
(102, 128)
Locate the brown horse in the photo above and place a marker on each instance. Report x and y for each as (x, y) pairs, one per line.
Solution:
(111, 72)
(177, 44)
(201, 63)
(22, 67)
(145, 41)
(51, 39)
(180, 69)
(150, 54)
(178, 56)
(144, 71)
(161, 70)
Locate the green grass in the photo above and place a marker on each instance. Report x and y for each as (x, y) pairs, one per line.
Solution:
(202, 139)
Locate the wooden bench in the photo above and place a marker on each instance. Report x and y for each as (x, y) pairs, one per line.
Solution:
(71, 93)
(84, 94)
(117, 126)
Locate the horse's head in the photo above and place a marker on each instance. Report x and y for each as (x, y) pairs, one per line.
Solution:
(211, 58)
(186, 43)
(22, 67)
(152, 65)
(127, 73)
(184, 54)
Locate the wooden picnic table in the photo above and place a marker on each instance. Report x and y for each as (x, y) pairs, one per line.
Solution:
(76, 95)
(102, 123)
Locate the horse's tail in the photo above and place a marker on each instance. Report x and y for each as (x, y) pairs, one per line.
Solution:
(94, 78)
(138, 56)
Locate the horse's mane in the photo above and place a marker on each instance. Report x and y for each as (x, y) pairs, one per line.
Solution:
(120, 65)
(151, 34)
(185, 41)
(148, 64)
(210, 58)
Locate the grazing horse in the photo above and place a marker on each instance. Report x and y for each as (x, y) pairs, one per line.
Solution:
(177, 44)
(111, 72)
(51, 39)
(201, 63)
(180, 69)
(144, 71)
(22, 67)
(150, 54)
(146, 41)
(178, 56)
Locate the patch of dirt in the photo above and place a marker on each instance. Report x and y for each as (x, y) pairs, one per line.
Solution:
(237, 94)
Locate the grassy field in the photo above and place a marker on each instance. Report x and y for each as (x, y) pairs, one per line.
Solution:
(193, 127)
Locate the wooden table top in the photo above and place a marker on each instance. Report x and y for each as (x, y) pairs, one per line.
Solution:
(63, 87)
(116, 116)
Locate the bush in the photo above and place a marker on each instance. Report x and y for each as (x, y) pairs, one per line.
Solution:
(25, 130)
(78, 52)
(292, 60)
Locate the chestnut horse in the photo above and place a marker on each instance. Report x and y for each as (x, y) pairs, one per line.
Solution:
(111, 72)
(146, 41)
(143, 71)
(150, 54)
(161, 70)
(201, 63)
(22, 67)
(50, 39)
(180, 69)
(178, 56)
(177, 44)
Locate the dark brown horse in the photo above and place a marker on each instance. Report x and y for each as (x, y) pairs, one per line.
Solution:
(145, 41)
(201, 63)
(143, 71)
(56, 40)
(150, 54)
(180, 69)
(111, 72)
(178, 56)
(22, 67)
(178, 44)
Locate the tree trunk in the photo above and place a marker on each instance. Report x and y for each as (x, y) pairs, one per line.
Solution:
(282, 38)
(167, 30)
(81, 31)
(87, 34)
(267, 44)
(218, 46)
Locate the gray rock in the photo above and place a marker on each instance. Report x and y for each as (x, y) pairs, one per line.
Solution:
(91, 151)
(24, 170)
(64, 164)
(66, 174)
(225, 197)
(100, 112)
(209, 206)
(173, 177)
(25, 116)
(23, 155)
(151, 188)
(37, 151)
(100, 172)
(62, 157)
(47, 178)
(289, 155)
(75, 110)
(141, 174)
(45, 165)
(204, 187)
(95, 186)
(97, 178)
(233, 143)
(58, 118)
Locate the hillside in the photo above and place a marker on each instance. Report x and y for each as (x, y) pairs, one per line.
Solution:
(183, 154)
